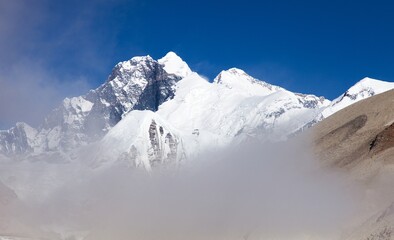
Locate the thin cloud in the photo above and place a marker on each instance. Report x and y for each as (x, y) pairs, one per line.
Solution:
(50, 51)
(28, 92)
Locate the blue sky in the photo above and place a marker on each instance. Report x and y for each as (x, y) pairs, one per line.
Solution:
(52, 49)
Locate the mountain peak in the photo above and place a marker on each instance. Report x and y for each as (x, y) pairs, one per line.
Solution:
(232, 73)
(173, 64)
(363, 89)
(239, 79)
(370, 85)
(236, 71)
(133, 63)
(171, 54)
(141, 58)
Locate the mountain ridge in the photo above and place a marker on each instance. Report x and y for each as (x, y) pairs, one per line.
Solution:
(234, 106)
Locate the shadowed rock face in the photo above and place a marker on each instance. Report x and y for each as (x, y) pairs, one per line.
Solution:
(133, 85)
(155, 94)
(14, 140)
(163, 146)
(383, 141)
(143, 85)
(138, 84)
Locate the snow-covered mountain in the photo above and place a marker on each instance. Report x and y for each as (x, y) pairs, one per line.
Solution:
(203, 116)
(139, 83)
(235, 107)
(152, 141)
(365, 88)
(152, 111)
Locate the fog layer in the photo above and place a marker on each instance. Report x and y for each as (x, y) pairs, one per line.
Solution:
(249, 192)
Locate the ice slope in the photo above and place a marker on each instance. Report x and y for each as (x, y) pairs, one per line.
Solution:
(236, 104)
(173, 64)
(237, 78)
(141, 139)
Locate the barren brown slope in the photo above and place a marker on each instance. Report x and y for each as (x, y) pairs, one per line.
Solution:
(360, 137)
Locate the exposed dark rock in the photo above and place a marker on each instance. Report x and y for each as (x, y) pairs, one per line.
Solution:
(384, 140)
(138, 84)
(14, 141)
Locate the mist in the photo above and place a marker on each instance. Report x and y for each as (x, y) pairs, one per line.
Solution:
(50, 51)
(248, 192)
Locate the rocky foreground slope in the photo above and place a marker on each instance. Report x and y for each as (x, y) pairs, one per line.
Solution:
(360, 139)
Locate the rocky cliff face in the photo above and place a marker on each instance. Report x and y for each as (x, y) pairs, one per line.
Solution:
(17, 140)
(153, 142)
(137, 84)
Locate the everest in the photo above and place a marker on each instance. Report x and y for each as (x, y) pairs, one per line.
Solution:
(149, 112)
